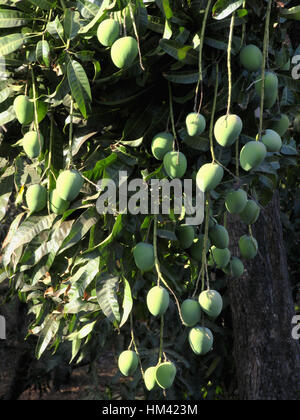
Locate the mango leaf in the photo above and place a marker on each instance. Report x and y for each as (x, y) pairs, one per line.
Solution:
(28, 230)
(127, 303)
(42, 53)
(71, 24)
(86, 274)
(8, 115)
(87, 9)
(12, 18)
(224, 8)
(106, 290)
(182, 53)
(55, 28)
(44, 4)
(46, 335)
(6, 188)
(80, 86)
(11, 43)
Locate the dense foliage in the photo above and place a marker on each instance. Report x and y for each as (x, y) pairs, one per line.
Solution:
(76, 270)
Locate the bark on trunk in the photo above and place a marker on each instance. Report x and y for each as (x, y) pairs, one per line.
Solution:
(267, 357)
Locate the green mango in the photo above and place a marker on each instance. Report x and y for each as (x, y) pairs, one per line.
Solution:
(235, 268)
(281, 126)
(32, 145)
(36, 198)
(175, 164)
(251, 58)
(191, 312)
(248, 247)
(228, 129)
(24, 109)
(185, 235)
(69, 184)
(252, 155)
(124, 51)
(271, 89)
(57, 204)
(158, 300)
(165, 374)
(251, 212)
(143, 254)
(220, 257)
(201, 340)
(296, 124)
(219, 237)
(150, 378)
(209, 176)
(162, 143)
(128, 362)
(211, 303)
(236, 201)
(108, 32)
(195, 124)
(272, 140)
(197, 248)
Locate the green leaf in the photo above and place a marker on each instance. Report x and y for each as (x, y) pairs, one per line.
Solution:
(71, 24)
(106, 290)
(46, 335)
(224, 8)
(80, 86)
(175, 50)
(6, 188)
(42, 53)
(7, 116)
(28, 230)
(44, 4)
(12, 18)
(127, 303)
(87, 273)
(11, 43)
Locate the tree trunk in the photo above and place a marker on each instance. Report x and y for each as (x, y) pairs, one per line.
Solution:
(267, 357)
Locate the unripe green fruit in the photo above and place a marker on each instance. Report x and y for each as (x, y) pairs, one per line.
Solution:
(57, 204)
(69, 184)
(162, 143)
(219, 236)
(248, 247)
(36, 198)
(195, 124)
(251, 58)
(272, 140)
(175, 164)
(297, 124)
(150, 378)
(165, 374)
(157, 300)
(271, 89)
(235, 268)
(209, 176)
(236, 201)
(197, 247)
(24, 109)
(108, 32)
(251, 212)
(143, 254)
(128, 362)
(191, 312)
(185, 235)
(252, 155)
(201, 340)
(124, 51)
(221, 257)
(281, 126)
(31, 144)
(211, 303)
(228, 129)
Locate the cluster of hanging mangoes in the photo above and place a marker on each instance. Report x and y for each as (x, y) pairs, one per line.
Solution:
(227, 130)
(68, 183)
